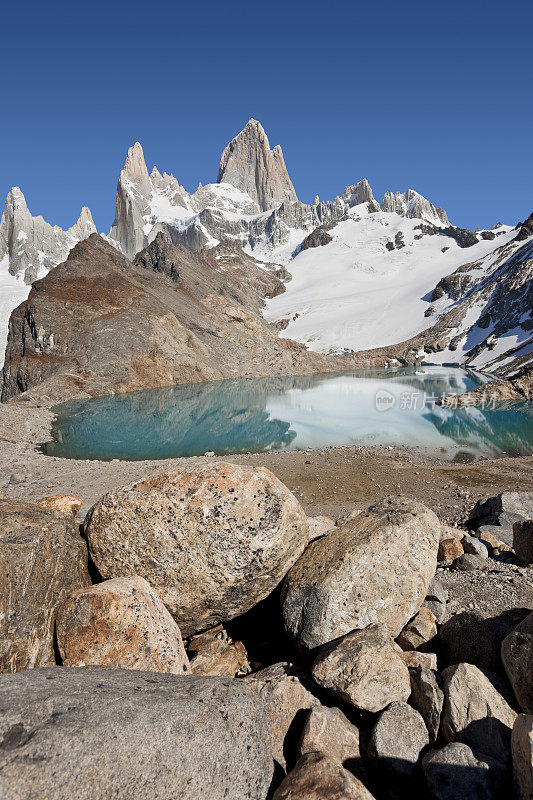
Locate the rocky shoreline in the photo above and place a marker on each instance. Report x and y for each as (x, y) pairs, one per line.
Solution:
(349, 622)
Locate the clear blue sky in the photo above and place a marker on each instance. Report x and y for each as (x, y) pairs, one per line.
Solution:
(433, 96)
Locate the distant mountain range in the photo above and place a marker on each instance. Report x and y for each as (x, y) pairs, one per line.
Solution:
(358, 274)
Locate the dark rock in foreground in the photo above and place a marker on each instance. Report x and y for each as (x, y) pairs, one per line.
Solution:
(94, 733)
(43, 559)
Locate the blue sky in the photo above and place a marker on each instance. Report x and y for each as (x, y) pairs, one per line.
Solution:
(432, 96)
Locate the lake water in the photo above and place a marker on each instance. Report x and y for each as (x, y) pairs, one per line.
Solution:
(257, 414)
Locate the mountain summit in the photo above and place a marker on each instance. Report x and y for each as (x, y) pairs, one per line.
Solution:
(251, 166)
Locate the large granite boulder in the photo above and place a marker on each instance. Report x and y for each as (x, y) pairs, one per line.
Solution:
(517, 657)
(213, 540)
(363, 669)
(374, 569)
(43, 559)
(93, 733)
(119, 623)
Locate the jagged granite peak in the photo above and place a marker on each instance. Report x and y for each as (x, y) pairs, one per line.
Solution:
(411, 204)
(360, 192)
(31, 244)
(134, 189)
(250, 165)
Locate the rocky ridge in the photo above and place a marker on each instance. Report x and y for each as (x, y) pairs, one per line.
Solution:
(99, 324)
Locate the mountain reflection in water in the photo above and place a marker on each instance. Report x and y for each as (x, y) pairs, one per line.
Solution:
(258, 414)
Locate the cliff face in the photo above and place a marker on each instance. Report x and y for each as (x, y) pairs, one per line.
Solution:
(98, 324)
(251, 166)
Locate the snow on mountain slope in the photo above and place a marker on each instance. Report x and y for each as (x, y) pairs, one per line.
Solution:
(364, 274)
(13, 291)
(366, 287)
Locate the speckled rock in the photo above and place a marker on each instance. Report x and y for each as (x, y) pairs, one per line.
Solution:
(94, 732)
(119, 623)
(475, 713)
(374, 569)
(316, 777)
(363, 669)
(213, 540)
(62, 503)
(413, 658)
(43, 559)
(285, 700)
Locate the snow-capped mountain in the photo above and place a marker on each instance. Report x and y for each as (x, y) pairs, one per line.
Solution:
(359, 274)
(29, 247)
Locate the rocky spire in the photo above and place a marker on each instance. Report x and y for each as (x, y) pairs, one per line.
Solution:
(250, 165)
(412, 204)
(134, 190)
(32, 245)
(359, 193)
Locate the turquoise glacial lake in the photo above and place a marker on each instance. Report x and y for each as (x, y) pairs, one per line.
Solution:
(378, 407)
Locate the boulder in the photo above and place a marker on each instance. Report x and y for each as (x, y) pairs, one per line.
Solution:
(214, 653)
(316, 777)
(522, 750)
(43, 559)
(427, 698)
(363, 669)
(470, 563)
(374, 569)
(328, 731)
(98, 732)
(286, 702)
(449, 549)
(420, 632)
(212, 540)
(119, 623)
(517, 657)
(454, 773)
(319, 526)
(475, 547)
(62, 503)
(471, 637)
(475, 713)
(523, 541)
(397, 739)
(502, 511)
